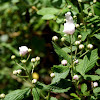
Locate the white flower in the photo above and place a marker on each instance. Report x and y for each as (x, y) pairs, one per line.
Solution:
(64, 62)
(33, 59)
(90, 46)
(34, 81)
(76, 61)
(95, 84)
(69, 27)
(94, 1)
(54, 38)
(52, 75)
(79, 0)
(81, 46)
(19, 71)
(90, 14)
(77, 42)
(37, 58)
(2, 95)
(77, 25)
(15, 72)
(75, 77)
(23, 50)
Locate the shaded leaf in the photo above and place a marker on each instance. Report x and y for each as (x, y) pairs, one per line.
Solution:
(48, 17)
(83, 88)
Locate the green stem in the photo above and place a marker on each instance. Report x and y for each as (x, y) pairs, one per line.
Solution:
(48, 98)
(84, 53)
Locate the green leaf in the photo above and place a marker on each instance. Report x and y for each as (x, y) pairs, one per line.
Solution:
(83, 88)
(48, 10)
(17, 94)
(92, 77)
(96, 90)
(59, 76)
(52, 98)
(59, 68)
(97, 71)
(74, 95)
(36, 93)
(48, 17)
(61, 53)
(97, 36)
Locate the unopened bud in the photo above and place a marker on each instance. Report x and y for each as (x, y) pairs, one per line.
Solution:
(77, 25)
(76, 77)
(90, 14)
(52, 75)
(19, 71)
(74, 16)
(34, 81)
(63, 39)
(13, 57)
(64, 62)
(23, 61)
(33, 59)
(77, 42)
(94, 1)
(92, 25)
(2, 95)
(29, 50)
(79, 0)
(81, 46)
(79, 36)
(35, 75)
(69, 6)
(15, 72)
(76, 61)
(54, 38)
(81, 24)
(37, 58)
(89, 46)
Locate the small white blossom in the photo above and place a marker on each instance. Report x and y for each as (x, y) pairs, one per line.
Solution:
(54, 38)
(37, 58)
(90, 14)
(76, 61)
(2, 95)
(94, 1)
(69, 27)
(81, 46)
(64, 62)
(77, 42)
(89, 46)
(79, 36)
(34, 81)
(19, 71)
(15, 72)
(52, 75)
(33, 59)
(23, 50)
(76, 77)
(95, 84)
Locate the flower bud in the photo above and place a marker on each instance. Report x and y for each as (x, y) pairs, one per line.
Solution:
(33, 60)
(94, 1)
(2, 95)
(63, 39)
(81, 46)
(92, 26)
(52, 75)
(15, 72)
(79, 0)
(54, 38)
(77, 42)
(81, 24)
(13, 57)
(69, 6)
(76, 61)
(95, 84)
(77, 25)
(79, 36)
(35, 75)
(74, 16)
(89, 46)
(64, 62)
(19, 71)
(34, 81)
(23, 50)
(23, 61)
(76, 77)
(37, 58)
(90, 14)
(29, 50)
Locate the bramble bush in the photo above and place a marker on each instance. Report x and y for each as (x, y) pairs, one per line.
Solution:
(76, 42)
